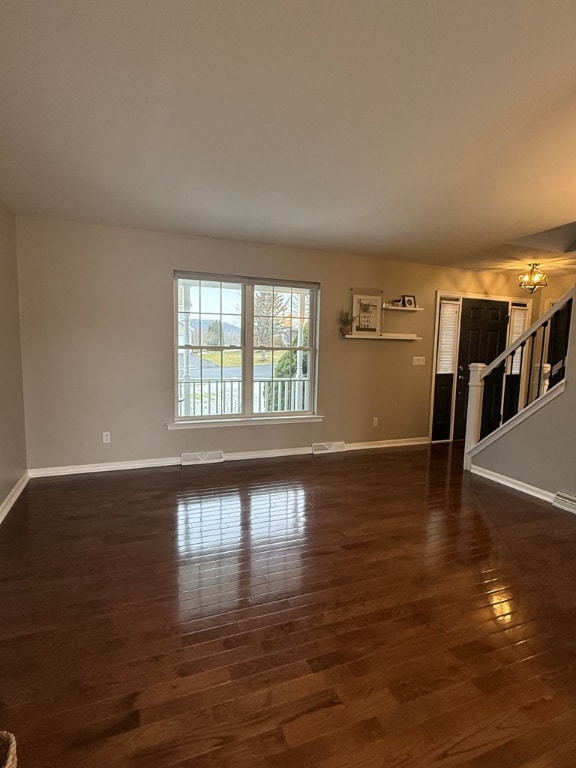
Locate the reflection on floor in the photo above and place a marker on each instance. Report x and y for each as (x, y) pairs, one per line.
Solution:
(374, 608)
(269, 522)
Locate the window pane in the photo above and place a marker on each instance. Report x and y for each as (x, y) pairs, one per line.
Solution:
(188, 378)
(211, 364)
(288, 387)
(448, 337)
(262, 364)
(282, 302)
(301, 303)
(280, 378)
(210, 298)
(232, 364)
(263, 301)
(282, 335)
(518, 324)
(220, 390)
(263, 331)
(284, 363)
(188, 295)
(281, 396)
(211, 330)
(188, 328)
(232, 299)
(209, 377)
(188, 364)
(231, 330)
(300, 333)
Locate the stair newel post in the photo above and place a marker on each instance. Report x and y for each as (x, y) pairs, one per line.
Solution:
(474, 413)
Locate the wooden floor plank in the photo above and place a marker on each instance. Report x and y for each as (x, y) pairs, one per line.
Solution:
(362, 610)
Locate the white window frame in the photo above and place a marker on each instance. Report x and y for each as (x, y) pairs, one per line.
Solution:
(247, 346)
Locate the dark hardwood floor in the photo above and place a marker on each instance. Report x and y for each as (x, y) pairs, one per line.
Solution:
(355, 610)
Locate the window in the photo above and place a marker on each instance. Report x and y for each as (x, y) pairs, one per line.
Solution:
(447, 354)
(518, 324)
(244, 348)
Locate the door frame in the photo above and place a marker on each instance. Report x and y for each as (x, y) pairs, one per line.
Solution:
(457, 296)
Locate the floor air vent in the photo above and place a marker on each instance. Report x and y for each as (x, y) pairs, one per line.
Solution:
(565, 501)
(335, 447)
(202, 457)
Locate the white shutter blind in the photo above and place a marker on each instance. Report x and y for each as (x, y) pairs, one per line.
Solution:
(448, 337)
(518, 320)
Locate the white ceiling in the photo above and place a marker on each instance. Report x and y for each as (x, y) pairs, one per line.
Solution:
(431, 130)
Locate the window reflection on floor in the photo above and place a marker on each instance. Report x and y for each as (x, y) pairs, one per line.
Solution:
(209, 525)
(239, 547)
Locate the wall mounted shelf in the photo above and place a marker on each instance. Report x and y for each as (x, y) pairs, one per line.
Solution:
(367, 317)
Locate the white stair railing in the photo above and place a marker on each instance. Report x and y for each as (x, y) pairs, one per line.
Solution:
(515, 380)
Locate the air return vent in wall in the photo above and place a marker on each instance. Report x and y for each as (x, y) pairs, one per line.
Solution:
(335, 447)
(202, 457)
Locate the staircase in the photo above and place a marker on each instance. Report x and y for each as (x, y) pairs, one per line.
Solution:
(527, 376)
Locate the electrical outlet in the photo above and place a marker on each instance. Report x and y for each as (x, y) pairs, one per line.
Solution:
(418, 361)
(375, 421)
(105, 437)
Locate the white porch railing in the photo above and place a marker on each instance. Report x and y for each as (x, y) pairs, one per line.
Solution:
(281, 395)
(224, 398)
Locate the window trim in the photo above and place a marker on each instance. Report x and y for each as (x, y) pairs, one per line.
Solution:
(248, 416)
(247, 421)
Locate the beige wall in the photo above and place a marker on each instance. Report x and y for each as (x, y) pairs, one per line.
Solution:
(97, 329)
(12, 439)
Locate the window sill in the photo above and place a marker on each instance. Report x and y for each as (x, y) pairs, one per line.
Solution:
(254, 421)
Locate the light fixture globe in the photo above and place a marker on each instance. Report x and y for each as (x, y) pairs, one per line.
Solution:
(533, 279)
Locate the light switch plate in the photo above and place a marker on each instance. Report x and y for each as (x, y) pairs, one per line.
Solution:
(418, 361)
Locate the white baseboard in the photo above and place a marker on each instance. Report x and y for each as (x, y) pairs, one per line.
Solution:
(516, 485)
(388, 443)
(112, 466)
(10, 500)
(269, 454)
(116, 466)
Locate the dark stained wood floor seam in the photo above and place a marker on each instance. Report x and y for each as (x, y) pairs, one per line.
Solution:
(370, 609)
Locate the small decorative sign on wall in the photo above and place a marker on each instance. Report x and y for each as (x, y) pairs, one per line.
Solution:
(366, 314)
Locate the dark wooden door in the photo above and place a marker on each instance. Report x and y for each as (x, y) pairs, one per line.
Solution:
(483, 332)
(558, 344)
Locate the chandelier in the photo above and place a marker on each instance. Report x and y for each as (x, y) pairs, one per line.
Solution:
(533, 279)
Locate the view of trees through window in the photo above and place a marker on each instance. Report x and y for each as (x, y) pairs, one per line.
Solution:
(226, 368)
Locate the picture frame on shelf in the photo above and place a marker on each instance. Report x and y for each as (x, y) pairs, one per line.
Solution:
(366, 314)
(409, 301)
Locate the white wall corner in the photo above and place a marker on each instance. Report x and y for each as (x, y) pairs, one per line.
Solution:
(12, 497)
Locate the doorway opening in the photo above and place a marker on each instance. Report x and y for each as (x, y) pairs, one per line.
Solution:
(469, 329)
